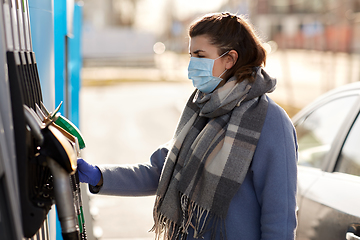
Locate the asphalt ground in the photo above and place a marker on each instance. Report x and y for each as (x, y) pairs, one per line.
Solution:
(123, 124)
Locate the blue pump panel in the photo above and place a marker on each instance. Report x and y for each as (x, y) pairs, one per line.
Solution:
(75, 64)
(59, 46)
(41, 22)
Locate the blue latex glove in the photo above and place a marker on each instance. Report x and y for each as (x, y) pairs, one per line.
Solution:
(88, 173)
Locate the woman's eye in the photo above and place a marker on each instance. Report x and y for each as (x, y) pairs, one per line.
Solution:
(196, 55)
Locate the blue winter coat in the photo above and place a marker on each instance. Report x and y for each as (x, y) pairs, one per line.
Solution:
(265, 205)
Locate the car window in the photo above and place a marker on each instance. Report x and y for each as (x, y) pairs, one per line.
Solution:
(318, 129)
(349, 158)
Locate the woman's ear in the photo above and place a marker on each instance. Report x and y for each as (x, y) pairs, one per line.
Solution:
(231, 59)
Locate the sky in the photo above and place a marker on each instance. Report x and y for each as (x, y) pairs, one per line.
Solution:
(187, 7)
(152, 15)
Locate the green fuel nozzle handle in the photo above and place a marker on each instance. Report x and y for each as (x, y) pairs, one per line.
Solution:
(68, 126)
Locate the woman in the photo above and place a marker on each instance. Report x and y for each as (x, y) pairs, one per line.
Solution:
(230, 170)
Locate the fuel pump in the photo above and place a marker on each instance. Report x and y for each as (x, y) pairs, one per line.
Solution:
(46, 144)
(60, 149)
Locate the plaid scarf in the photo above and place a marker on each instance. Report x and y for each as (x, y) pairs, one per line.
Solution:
(211, 152)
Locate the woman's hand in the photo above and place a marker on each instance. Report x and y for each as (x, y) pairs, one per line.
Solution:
(89, 173)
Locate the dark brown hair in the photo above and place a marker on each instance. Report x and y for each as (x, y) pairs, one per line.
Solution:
(228, 32)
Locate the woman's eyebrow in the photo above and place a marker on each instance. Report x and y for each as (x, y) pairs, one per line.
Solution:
(197, 51)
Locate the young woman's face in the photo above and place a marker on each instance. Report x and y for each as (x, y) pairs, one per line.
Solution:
(200, 47)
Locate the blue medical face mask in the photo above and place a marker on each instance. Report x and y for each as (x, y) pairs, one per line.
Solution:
(200, 72)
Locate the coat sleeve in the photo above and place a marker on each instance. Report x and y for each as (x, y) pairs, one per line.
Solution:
(133, 180)
(275, 176)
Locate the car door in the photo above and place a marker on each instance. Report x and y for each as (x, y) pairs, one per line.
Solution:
(326, 199)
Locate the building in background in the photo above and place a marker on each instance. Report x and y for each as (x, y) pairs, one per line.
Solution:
(123, 32)
(325, 25)
(112, 36)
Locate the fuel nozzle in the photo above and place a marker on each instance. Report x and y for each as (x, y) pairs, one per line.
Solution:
(60, 150)
(64, 201)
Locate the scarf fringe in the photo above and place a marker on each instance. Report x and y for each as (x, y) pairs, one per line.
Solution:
(193, 215)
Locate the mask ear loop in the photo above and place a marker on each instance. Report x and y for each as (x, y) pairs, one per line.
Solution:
(223, 73)
(221, 57)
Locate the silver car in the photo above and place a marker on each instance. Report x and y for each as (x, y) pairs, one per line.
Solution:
(329, 166)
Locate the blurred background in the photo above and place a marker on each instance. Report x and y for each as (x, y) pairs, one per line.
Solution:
(134, 77)
(313, 42)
